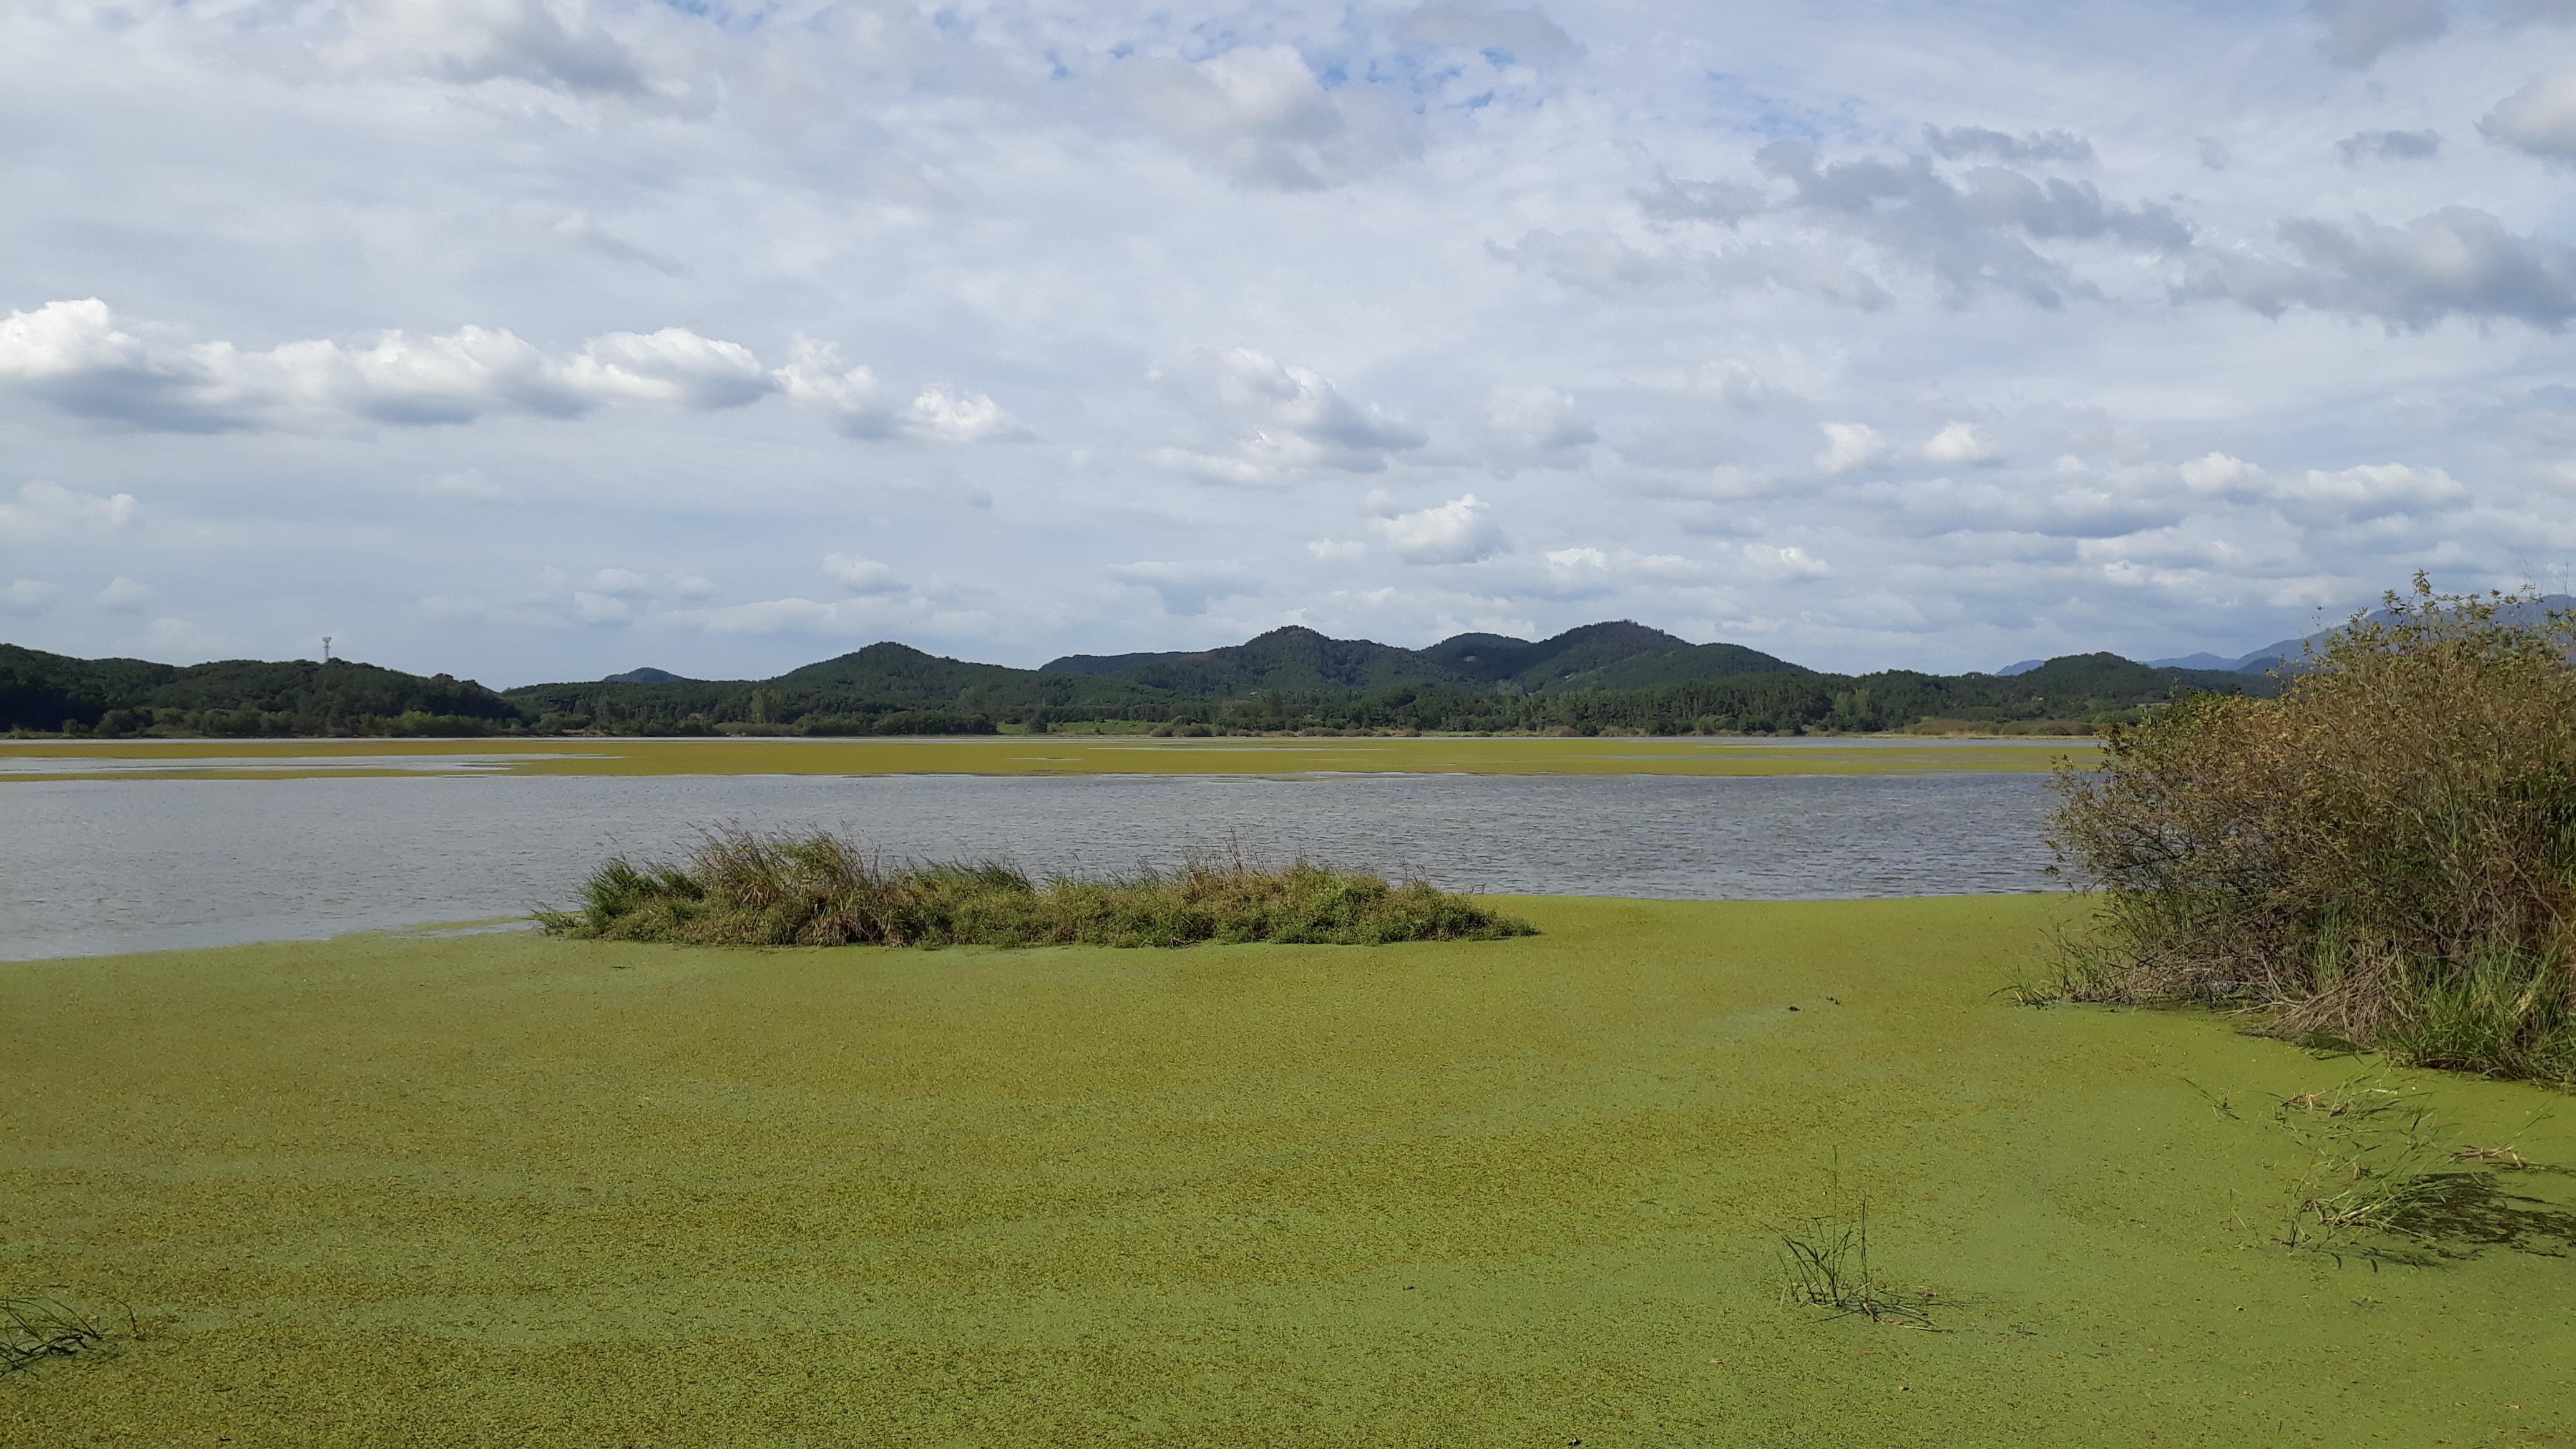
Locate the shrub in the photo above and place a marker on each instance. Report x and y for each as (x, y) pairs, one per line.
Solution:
(2382, 857)
(744, 888)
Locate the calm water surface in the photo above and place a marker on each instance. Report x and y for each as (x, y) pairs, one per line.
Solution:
(96, 866)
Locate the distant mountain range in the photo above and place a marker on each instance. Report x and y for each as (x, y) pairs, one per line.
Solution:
(1617, 675)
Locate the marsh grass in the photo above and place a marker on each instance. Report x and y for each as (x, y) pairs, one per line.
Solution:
(2378, 1162)
(2382, 858)
(1825, 1263)
(741, 887)
(40, 1327)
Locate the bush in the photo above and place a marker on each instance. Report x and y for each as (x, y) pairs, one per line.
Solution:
(2381, 858)
(743, 888)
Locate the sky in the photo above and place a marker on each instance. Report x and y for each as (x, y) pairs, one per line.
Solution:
(538, 339)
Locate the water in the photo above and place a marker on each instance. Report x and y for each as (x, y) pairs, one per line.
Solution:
(97, 866)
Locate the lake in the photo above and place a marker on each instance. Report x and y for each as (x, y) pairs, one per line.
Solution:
(90, 867)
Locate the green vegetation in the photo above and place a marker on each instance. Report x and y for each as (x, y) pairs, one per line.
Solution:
(41, 1326)
(514, 1189)
(1600, 680)
(240, 697)
(2383, 857)
(742, 888)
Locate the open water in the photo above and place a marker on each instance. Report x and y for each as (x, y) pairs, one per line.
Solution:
(97, 866)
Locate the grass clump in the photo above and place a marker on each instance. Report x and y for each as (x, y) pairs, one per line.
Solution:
(2384, 857)
(743, 888)
(1825, 1264)
(41, 1327)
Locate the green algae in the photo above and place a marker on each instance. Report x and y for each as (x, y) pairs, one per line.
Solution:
(503, 1189)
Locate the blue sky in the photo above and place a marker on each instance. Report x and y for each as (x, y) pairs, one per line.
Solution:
(535, 339)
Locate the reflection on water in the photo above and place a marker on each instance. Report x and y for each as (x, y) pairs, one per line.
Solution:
(88, 867)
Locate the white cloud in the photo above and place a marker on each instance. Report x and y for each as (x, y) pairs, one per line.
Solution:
(1960, 443)
(592, 608)
(48, 507)
(1257, 116)
(2456, 262)
(1536, 421)
(28, 595)
(124, 593)
(2539, 118)
(1270, 423)
(1461, 530)
(859, 575)
(468, 41)
(466, 483)
(75, 355)
(1850, 447)
(2358, 32)
(2371, 491)
(2363, 146)
(1187, 588)
(1961, 142)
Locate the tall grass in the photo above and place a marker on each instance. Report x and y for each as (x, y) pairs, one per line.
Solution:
(2383, 857)
(740, 887)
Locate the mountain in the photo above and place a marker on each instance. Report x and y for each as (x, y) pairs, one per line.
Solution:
(2024, 667)
(1294, 658)
(2288, 652)
(1494, 658)
(646, 676)
(40, 691)
(2188, 661)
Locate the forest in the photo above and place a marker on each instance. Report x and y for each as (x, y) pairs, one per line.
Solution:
(1609, 678)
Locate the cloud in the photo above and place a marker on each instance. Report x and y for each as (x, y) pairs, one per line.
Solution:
(76, 356)
(1960, 443)
(1724, 202)
(591, 608)
(1187, 588)
(559, 46)
(1598, 262)
(1960, 142)
(620, 583)
(2367, 492)
(2363, 146)
(47, 507)
(1461, 530)
(786, 616)
(1269, 422)
(1975, 234)
(674, 366)
(2358, 32)
(1850, 447)
(2539, 119)
(466, 483)
(1534, 425)
(1505, 35)
(124, 593)
(1856, 447)
(2458, 261)
(28, 595)
(1256, 116)
(859, 575)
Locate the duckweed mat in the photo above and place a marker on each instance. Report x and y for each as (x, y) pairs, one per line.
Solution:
(504, 1190)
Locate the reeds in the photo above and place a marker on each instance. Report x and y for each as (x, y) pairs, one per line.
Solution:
(2384, 857)
(741, 887)
(37, 1328)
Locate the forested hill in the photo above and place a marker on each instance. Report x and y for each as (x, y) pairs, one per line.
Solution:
(1619, 677)
(41, 692)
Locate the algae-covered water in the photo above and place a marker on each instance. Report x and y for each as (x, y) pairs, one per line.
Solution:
(509, 1190)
